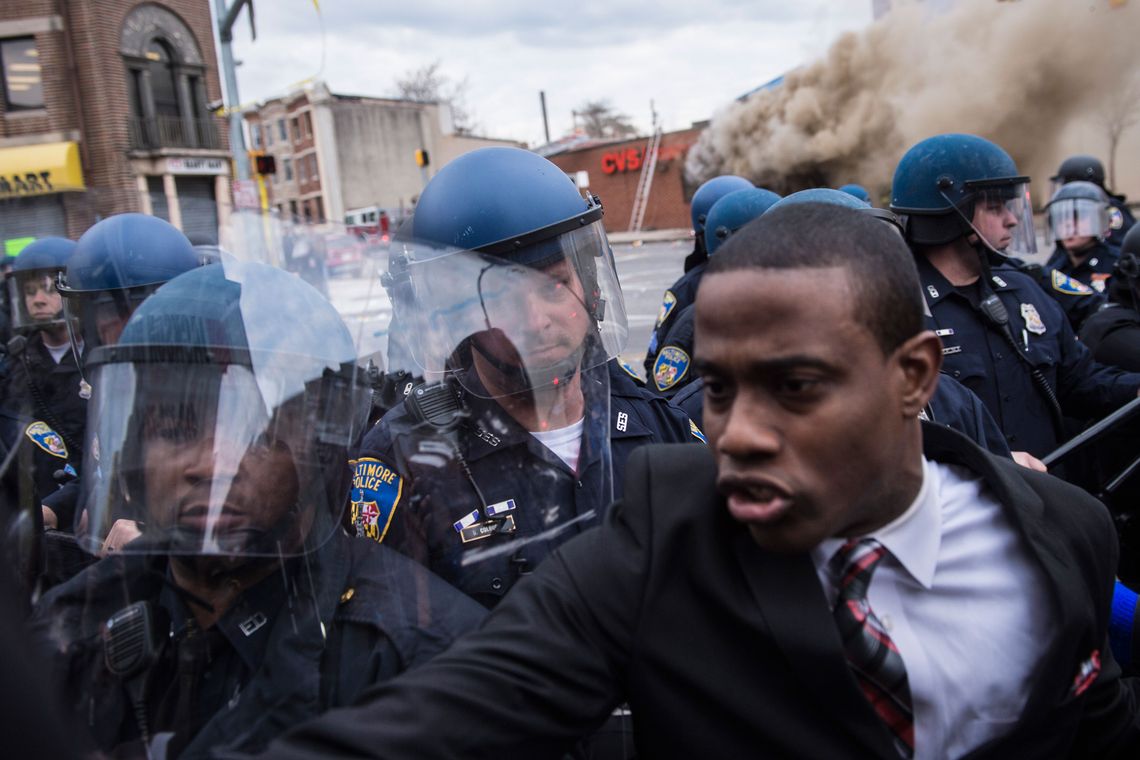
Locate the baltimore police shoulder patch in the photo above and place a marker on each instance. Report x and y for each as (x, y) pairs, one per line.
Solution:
(629, 370)
(671, 365)
(1115, 218)
(47, 439)
(1063, 283)
(696, 431)
(667, 305)
(376, 491)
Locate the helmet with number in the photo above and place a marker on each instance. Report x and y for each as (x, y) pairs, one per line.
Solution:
(1080, 168)
(35, 303)
(217, 429)
(733, 211)
(116, 265)
(858, 191)
(501, 240)
(1078, 209)
(709, 193)
(940, 181)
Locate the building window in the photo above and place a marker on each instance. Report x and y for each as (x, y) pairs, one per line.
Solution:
(295, 126)
(166, 82)
(281, 133)
(23, 84)
(255, 135)
(268, 135)
(288, 169)
(307, 124)
(293, 210)
(313, 167)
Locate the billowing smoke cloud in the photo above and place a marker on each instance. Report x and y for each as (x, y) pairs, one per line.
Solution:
(1014, 72)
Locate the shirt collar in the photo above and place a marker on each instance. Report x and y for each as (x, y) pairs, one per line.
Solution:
(913, 538)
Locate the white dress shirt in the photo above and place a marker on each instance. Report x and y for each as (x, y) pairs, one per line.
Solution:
(966, 606)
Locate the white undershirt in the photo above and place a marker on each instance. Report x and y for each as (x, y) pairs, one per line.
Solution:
(565, 442)
(58, 352)
(966, 605)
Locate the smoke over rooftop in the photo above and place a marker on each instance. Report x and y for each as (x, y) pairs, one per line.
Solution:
(1015, 72)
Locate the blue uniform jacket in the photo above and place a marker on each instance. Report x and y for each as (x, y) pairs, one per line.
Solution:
(413, 487)
(1093, 271)
(681, 294)
(976, 355)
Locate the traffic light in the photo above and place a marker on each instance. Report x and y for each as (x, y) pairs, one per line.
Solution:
(422, 159)
(264, 164)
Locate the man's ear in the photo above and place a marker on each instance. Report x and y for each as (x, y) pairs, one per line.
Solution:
(919, 359)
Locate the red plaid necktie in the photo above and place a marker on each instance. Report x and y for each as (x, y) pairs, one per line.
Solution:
(871, 653)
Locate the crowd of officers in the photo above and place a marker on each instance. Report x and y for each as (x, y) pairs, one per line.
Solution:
(217, 524)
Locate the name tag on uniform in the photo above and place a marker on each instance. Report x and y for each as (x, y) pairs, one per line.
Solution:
(944, 332)
(488, 528)
(951, 350)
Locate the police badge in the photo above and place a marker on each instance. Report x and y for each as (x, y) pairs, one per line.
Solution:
(1032, 319)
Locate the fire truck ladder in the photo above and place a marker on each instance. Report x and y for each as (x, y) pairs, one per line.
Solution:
(645, 182)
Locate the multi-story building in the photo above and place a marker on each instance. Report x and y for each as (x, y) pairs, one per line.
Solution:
(106, 109)
(336, 154)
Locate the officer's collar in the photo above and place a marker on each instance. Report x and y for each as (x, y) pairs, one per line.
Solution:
(936, 287)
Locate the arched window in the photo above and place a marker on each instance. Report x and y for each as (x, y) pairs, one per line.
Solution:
(165, 81)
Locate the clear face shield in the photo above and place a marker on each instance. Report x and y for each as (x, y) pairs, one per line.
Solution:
(1003, 217)
(525, 322)
(34, 301)
(1077, 217)
(204, 460)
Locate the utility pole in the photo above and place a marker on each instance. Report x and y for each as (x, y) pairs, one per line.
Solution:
(226, 18)
(545, 122)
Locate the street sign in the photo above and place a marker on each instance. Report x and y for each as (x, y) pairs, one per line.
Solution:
(245, 194)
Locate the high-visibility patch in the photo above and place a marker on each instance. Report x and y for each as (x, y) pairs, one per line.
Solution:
(47, 439)
(376, 491)
(671, 365)
(696, 431)
(1063, 283)
(667, 306)
(1032, 319)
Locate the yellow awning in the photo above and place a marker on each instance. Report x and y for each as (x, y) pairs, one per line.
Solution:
(40, 169)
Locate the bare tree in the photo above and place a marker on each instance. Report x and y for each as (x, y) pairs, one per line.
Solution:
(598, 119)
(428, 84)
(1118, 114)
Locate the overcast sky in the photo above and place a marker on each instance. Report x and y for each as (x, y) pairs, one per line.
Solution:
(689, 57)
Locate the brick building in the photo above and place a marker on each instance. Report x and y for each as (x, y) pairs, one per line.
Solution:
(613, 170)
(104, 110)
(340, 155)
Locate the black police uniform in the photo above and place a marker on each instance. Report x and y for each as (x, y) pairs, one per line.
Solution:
(680, 295)
(1120, 221)
(1113, 336)
(492, 484)
(976, 354)
(952, 405)
(350, 616)
(48, 395)
(672, 368)
(1094, 270)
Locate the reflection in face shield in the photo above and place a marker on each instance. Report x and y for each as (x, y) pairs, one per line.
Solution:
(1003, 219)
(1077, 218)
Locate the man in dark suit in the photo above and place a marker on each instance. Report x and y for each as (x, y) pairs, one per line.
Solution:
(831, 577)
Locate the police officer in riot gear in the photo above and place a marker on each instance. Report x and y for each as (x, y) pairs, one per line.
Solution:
(963, 202)
(43, 384)
(242, 607)
(1085, 168)
(1113, 333)
(670, 371)
(683, 292)
(512, 310)
(1079, 221)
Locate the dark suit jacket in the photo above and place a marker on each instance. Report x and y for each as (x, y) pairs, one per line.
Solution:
(724, 650)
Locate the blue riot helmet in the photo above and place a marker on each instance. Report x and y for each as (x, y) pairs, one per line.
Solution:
(216, 428)
(942, 181)
(117, 264)
(840, 198)
(501, 239)
(1078, 209)
(733, 211)
(32, 296)
(709, 193)
(857, 191)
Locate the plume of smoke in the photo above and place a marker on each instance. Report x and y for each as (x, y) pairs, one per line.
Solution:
(1014, 72)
